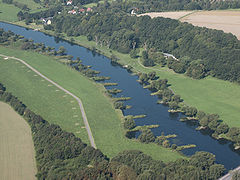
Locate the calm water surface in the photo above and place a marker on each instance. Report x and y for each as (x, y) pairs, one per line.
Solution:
(142, 102)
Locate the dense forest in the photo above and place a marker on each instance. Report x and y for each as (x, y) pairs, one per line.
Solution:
(213, 52)
(142, 6)
(62, 155)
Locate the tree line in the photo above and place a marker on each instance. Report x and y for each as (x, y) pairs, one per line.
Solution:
(62, 155)
(200, 51)
(169, 5)
(212, 122)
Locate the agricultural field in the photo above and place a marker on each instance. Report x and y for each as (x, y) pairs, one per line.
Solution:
(172, 15)
(105, 122)
(16, 146)
(226, 20)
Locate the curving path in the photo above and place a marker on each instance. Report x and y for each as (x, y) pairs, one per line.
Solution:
(90, 136)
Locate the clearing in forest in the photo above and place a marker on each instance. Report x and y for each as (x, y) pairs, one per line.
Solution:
(16, 146)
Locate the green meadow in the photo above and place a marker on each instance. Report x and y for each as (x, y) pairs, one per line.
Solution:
(8, 12)
(105, 122)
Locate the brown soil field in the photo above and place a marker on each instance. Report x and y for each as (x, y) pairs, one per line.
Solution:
(17, 161)
(226, 20)
(172, 15)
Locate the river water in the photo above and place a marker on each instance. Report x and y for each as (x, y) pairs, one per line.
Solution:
(142, 102)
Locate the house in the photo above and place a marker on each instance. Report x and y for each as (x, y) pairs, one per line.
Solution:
(69, 3)
(89, 9)
(81, 10)
(133, 12)
(47, 21)
(72, 12)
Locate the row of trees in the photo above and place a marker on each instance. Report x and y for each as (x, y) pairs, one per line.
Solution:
(61, 155)
(207, 51)
(167, 5)
(210, 121)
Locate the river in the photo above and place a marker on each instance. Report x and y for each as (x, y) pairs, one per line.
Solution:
(142, 102)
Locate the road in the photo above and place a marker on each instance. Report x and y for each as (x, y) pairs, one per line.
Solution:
(230, 174)
(90, 136)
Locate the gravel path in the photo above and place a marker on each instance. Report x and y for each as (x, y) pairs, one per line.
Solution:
(90, 136)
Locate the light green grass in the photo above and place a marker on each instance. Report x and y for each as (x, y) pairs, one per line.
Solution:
(42, 97)
(104, 121)
(8, 12)
(210, 95)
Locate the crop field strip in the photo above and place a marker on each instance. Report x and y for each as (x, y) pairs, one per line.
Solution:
(104, 121)
(16, 146)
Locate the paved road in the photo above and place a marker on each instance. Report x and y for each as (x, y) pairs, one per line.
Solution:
(90, 136)
(229, 175)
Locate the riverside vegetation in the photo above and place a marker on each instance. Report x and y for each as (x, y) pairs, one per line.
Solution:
(61, 155)
(204, 46)
(91, 100)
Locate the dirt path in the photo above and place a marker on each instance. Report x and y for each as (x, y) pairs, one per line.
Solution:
(17, 154)
(90, 136)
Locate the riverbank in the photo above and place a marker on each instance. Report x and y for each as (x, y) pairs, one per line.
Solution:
(201, 94)
(105, 122)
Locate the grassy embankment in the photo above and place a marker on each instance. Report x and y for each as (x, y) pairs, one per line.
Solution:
(104, 121)
(16, 146)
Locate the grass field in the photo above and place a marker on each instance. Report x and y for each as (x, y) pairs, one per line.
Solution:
(43, 97)
(8, 12)
(16, 146)
(104, 121)
(210, 95)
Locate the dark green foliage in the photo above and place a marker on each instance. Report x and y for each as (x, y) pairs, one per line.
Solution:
(189, 111)
(146, 136)
(7, 1)
(129, 123)
(173, 5)
(119, 105)
(197, 70)
(200, 166)
(222, 128)
(208, 51)
(234, 134)
(202, 160)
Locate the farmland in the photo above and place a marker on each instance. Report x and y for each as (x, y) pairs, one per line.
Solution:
(105, 122)
(16, 146)
(226, 20)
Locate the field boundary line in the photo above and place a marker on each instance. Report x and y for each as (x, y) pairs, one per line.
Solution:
(90, 136)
